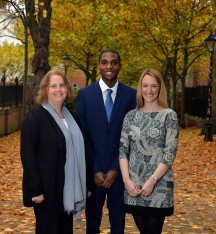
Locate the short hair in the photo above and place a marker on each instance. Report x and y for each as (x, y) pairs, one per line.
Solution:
(44, 85)
(110, 51)
(162, 96)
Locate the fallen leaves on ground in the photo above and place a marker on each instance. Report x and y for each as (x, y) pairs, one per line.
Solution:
(195, 189)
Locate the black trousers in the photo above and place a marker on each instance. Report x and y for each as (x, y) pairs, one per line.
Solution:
(50, 222)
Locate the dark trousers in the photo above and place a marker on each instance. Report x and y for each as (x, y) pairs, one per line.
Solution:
(115, 204)
(50, 222)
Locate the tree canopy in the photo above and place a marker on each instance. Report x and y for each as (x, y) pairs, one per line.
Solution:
(146, 34)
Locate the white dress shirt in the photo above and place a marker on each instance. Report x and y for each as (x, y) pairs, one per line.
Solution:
(104, 88)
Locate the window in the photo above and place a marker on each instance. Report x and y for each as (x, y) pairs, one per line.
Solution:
(75, 86)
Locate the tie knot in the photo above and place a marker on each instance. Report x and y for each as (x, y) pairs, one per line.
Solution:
(109, 91)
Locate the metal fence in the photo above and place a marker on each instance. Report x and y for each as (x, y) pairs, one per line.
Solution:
(10, 93)
(196, 98)
(196, 101)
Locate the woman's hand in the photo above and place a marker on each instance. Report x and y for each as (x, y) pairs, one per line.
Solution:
(129, 184)
(148, 187)
(38, 199)
(132, 188)
(89, 194)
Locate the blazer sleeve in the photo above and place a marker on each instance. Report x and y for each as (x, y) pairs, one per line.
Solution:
(30, 133)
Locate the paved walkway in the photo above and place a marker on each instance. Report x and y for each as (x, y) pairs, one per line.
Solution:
(195, 193)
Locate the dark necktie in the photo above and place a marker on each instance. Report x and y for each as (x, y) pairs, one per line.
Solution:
(109, 104)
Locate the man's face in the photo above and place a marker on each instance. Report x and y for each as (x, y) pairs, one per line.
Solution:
(109, 66)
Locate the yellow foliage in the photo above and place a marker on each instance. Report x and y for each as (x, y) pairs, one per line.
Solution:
(45, 13)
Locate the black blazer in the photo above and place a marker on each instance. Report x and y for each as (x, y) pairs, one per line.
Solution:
(43, 156)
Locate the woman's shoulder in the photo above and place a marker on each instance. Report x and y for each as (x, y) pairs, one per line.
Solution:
(132, 112)
(168, 111)
(36, 114)
(170, 114)
(31, 119)
(36, 111)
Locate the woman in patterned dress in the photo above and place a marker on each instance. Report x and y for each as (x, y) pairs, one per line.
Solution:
(148, 146)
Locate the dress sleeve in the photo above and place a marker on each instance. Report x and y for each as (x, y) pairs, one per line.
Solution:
(124, 146)
(171, 140)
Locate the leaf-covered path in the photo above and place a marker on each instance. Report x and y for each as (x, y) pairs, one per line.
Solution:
(195, 191)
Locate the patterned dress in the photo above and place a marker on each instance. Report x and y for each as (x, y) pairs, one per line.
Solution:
(147, 139)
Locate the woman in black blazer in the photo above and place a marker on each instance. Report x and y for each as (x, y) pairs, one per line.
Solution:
(53, 154)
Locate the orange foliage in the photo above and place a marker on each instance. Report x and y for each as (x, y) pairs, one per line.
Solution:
(195, 191)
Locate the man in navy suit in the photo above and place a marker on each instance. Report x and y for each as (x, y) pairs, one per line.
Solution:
(104, 133)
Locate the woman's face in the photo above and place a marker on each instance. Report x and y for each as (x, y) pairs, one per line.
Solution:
(150, 89)
(57, 90)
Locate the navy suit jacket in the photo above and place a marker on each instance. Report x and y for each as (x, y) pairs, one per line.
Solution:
(104, 136)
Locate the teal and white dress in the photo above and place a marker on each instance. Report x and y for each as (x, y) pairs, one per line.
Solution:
(147, 139)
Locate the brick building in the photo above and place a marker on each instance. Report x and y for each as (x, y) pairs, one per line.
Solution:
(76, 78)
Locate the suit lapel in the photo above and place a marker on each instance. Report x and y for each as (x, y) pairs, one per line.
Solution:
(118, 100)
(100, 102)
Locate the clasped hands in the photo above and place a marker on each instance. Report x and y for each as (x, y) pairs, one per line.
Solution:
(134, 191)
(105, 180)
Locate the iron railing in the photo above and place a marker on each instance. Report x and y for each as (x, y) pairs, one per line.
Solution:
(10, 93)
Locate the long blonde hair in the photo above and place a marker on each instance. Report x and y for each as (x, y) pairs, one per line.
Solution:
(44, 84)
(162, 96)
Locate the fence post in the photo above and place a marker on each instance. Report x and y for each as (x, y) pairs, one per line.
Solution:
(3, 79)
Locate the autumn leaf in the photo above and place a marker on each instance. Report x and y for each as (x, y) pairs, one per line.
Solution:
(195, 227)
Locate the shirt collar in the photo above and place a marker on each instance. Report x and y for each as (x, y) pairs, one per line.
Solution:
(104, 87)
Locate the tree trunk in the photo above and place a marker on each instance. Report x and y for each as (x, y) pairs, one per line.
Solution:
(93, 75)
(174, 93)
(214, 92)
(182, 120)
(39, 26)
(24, 99)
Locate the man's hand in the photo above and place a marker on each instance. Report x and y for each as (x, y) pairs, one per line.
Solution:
(110, 178)
(38, 199)
(99, 178)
